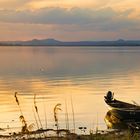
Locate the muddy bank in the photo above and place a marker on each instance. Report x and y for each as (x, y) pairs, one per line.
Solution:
(117, 135)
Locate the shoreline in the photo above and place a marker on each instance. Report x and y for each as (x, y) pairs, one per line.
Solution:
(42, 135)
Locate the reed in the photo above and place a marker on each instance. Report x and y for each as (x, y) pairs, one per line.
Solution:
(73, 115)
(24, 124)
(17, 101)
(56, 109)
(97, 127)
(22, 118)
(35, 119)
(36, 122)
(45, 114)
(36, 109)
(66, 115)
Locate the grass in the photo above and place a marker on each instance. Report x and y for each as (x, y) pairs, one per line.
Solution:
(109, 136)
(42, 133)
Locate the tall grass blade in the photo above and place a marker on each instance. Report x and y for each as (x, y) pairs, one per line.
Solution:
(36, 109)
(73, 115)
(66, 115)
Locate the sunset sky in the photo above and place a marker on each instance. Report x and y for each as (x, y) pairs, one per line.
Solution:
(69, 20)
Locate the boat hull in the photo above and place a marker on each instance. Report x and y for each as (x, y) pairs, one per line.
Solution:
(122, 114)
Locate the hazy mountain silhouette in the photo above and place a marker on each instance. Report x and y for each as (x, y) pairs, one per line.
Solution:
(53, 42)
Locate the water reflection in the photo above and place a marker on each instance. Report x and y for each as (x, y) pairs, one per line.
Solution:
(57, 74)
(123, 120)
(113, 121)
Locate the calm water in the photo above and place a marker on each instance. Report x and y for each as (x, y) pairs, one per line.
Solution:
(57, 74)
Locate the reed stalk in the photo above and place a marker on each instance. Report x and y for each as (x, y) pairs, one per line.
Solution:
(97, 124)
(36, 121)
(36, 109)
(66, 115)
(22, 118)
(17, 101)
(45, 115)
(56, 109)
(73, 115)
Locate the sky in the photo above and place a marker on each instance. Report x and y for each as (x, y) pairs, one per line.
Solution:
(69, 20)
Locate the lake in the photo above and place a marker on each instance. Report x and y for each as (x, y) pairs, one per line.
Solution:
(67, 75)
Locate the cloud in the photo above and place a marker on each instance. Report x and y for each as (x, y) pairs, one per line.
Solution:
(60, 15)
(12, 4)
(102, 19)
(47, 16)
(68, 24)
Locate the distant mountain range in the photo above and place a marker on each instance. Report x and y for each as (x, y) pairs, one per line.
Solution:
(53, 42)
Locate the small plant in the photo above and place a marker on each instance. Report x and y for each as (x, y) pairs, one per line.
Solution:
(25, 127)
(22, 118)
(24, 124)
(56, 109)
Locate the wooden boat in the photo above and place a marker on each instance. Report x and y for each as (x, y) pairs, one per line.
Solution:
(119, 105)
(124, 111)
(122, 115)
